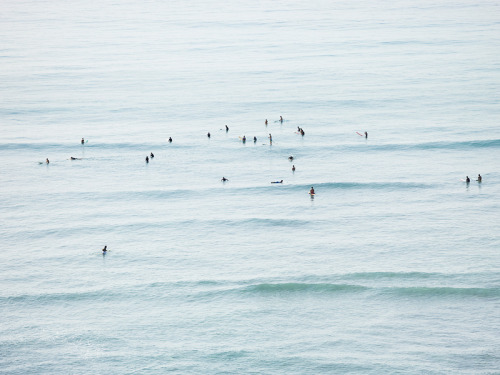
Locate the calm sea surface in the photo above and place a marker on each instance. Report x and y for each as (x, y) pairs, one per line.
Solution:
(392, 267)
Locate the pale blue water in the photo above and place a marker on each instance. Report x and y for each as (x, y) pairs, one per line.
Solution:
(393, 267)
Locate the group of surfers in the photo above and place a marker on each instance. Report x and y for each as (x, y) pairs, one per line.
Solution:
(479, 179)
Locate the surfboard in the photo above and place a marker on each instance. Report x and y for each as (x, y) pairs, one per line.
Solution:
(361, 135)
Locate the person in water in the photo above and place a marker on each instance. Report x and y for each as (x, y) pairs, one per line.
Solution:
(152, 155)
(270, 138)
(366, 134)
(47, 161)
(290, 158)
(254, 139)
(83, 141)
(312, 191)
(72, 158)
(170, 140)
(244, 139)
(281, 119)
(277, 182)
(479, 178)
(265, 122)
(227, 128)
(105, 248)
(467, 179)
(208, 134)
(302, 132)
(293, 168)
(147, 159)
(224, 179)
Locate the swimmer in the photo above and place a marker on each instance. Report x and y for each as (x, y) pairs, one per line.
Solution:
(479, 178)
(83, 141)
(152, 155)
(312, 191)
(170, 140)
(224, 179)
(293, 168)
(208, 134)
(147, 159)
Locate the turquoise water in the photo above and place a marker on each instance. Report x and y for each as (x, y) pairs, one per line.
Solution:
(392, 267)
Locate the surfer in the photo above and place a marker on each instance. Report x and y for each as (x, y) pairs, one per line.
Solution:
(366, 134)
(293, 168)
(224, 179)
(312, 191)
(479, 178)
(290, 158)
(302, 131)
(281, 119)
(254, 139)
(244, 139)
(277, 182)
(265, 122)
(47, 161)
(170, 140)
(467, 180)
(152, 155)
(208, 134)
(83, 141)
(270, 138)
(227, 128)
(72, 158)
(105, 248)
(147, 159)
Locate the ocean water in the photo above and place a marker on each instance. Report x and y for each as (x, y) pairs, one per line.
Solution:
(391, 268)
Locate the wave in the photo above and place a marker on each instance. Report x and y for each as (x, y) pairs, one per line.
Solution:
(451, 145)
(437, 145)
(40, 146)
(201, 290)
(303, 287)
(442, 292)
